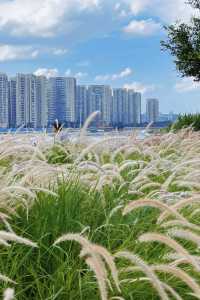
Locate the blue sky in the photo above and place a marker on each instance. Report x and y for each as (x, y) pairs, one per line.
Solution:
(99, 42)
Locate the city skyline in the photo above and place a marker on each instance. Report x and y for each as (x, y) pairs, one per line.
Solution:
(37, 101)
(100, 42)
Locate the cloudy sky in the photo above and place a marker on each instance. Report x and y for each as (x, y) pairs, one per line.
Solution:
(113, 42)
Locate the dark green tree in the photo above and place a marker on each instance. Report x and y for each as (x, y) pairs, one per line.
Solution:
(183, 43)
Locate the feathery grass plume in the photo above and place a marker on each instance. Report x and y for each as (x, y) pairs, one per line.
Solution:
(10, 236)
(178, 168)
(6, 279)
(194, 295)
(183, 260)
(109, 260)
(169, 289)
(127, 164)
(179, 205)
(9, 294)
(180, 274)
(101, 277)
(20, 149)
(95, 255)
(176, 257)
(87, 124)
(90, 165)
(110, 167)
(96, 144)
(20, 189)
(178, 223)
(187, 184)
(165, 286)
(117, 298)
(151, 203)
(185, 234)
(150, 185)
(147, 271)
(161, 238)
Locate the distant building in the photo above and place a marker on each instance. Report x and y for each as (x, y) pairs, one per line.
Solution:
(134, 104)
(70, 85)
(12, 102)
(26, 100)
(81, 105)
(42, 102)
(119, 106)
(4, 121)
(171, 117)
(61, 95)
(152, 110)
(100, 99)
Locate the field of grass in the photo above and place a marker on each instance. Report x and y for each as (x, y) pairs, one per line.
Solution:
(114, 219)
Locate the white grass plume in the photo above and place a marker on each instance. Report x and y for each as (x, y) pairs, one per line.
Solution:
(185, 234)
(9, 294)
(87, 124)
(110, 262)
(147, 270)
(156, 237)
(179, 205)
(9, 236)
(178, 223)
(180, 274)
(101, 277)
(95, 257)
(151, 203)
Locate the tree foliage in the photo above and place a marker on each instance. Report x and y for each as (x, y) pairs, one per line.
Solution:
(184, 44)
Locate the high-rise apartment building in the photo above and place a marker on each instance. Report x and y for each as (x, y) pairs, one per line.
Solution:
(36, 102)
(120, 107)
(4, 121)
(126, 107)
(134, 104)
(61, 94)
(100, 99)
(26, 100)
(12, 102)
(152, 110)
(42, 101)
(82, 107)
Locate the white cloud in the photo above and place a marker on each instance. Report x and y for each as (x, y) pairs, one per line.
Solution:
(46, 72)
(40, 18)
(78, 75)
(123, 74)
(12, 52)
(58, 51)
(137, 6)
(142, 28)
(140, 87)
(21, 52)
(167, 10)
(187, 85)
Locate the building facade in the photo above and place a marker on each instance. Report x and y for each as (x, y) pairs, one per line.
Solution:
(61, 99)
(100, 99)
(12, 102)
(4, 120)
(152, 110)
(134, 105)
(82, 107)
(41, 102)
(26, 100)
(120, 107)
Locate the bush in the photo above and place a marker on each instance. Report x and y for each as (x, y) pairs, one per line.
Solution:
(185, 121)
